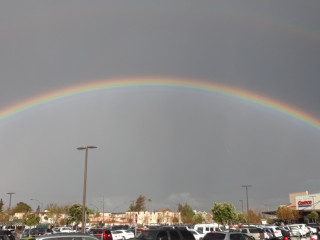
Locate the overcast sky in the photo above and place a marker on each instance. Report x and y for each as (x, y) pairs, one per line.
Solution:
(172, 145)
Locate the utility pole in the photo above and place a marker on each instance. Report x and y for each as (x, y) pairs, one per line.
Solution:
(241, 205)
(246, 186)
(103, 211)
(10, 193)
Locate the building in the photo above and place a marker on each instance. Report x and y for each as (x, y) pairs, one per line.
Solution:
(304, 203)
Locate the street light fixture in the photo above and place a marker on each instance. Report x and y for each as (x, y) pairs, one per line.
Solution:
(84, 187)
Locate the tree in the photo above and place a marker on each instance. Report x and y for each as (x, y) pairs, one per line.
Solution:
(285, 214)
(139, 206)
(254, 218)
(313, 216)
(21, 207)
(30, 219)
(1, 205)
(186, 213)
(240, 217)
(198, 218)
(54, 211)
(223, 213)
(75, 213)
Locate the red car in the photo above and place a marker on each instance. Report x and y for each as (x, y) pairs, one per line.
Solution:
(98, 232)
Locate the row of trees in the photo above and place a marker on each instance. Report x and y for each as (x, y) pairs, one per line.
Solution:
(223, 213)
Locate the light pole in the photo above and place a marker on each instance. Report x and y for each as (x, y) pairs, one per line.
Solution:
(241, 205)
(84, 187)
(10, 193)
(33, 199)
(246, 186)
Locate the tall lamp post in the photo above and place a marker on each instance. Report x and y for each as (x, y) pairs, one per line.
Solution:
(246, 186)
(84, 187)
(10, 193)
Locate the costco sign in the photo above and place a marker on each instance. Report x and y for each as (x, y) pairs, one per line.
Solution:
(305, 204)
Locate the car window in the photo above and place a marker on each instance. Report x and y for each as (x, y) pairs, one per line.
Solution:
(214, 236)
(236, 236)
(244, 230)
(187, 235)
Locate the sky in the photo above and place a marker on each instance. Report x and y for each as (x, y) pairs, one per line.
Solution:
(171, 144)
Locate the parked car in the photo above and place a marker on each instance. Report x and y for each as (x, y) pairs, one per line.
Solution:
(254, 232)
(166, 234)
(276, 231)
(66, 230)
(314, 225)
(125, 234)
(206, 228)
(227, 236)
(7, 233)
(116, 236)
(66, 236)
(302, 228)
(196, 234)
(4, 237)
(101, 233)
(270, 233)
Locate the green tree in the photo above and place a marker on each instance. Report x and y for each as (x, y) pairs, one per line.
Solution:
(186, 213)
(223, 213)
(240, 217)
(198, 218)
(313, 216)
(285, 214)
(75, 213)
(139, 205)
(30, 219)
(21, 207)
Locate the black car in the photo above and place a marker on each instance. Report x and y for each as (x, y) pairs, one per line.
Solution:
(4, 237)
(8, 233)
(165, 234)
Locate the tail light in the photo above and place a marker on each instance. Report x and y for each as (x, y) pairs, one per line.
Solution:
(104, 236)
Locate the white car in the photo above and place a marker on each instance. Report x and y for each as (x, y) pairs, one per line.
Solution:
(116, 236)
(66, 230)
(125, 234)
(299, 229)
(276, 231)
(196, 234)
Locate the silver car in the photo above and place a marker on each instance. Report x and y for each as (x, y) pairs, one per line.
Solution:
(67, 236)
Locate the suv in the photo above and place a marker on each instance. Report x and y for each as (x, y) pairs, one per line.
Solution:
(254, 232)
(227, 236)
(101, 233)
(166, 234)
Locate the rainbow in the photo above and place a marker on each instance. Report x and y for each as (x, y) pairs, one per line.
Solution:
(110, 84)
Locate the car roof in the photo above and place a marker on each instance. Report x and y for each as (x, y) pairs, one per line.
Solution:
(59, 235)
